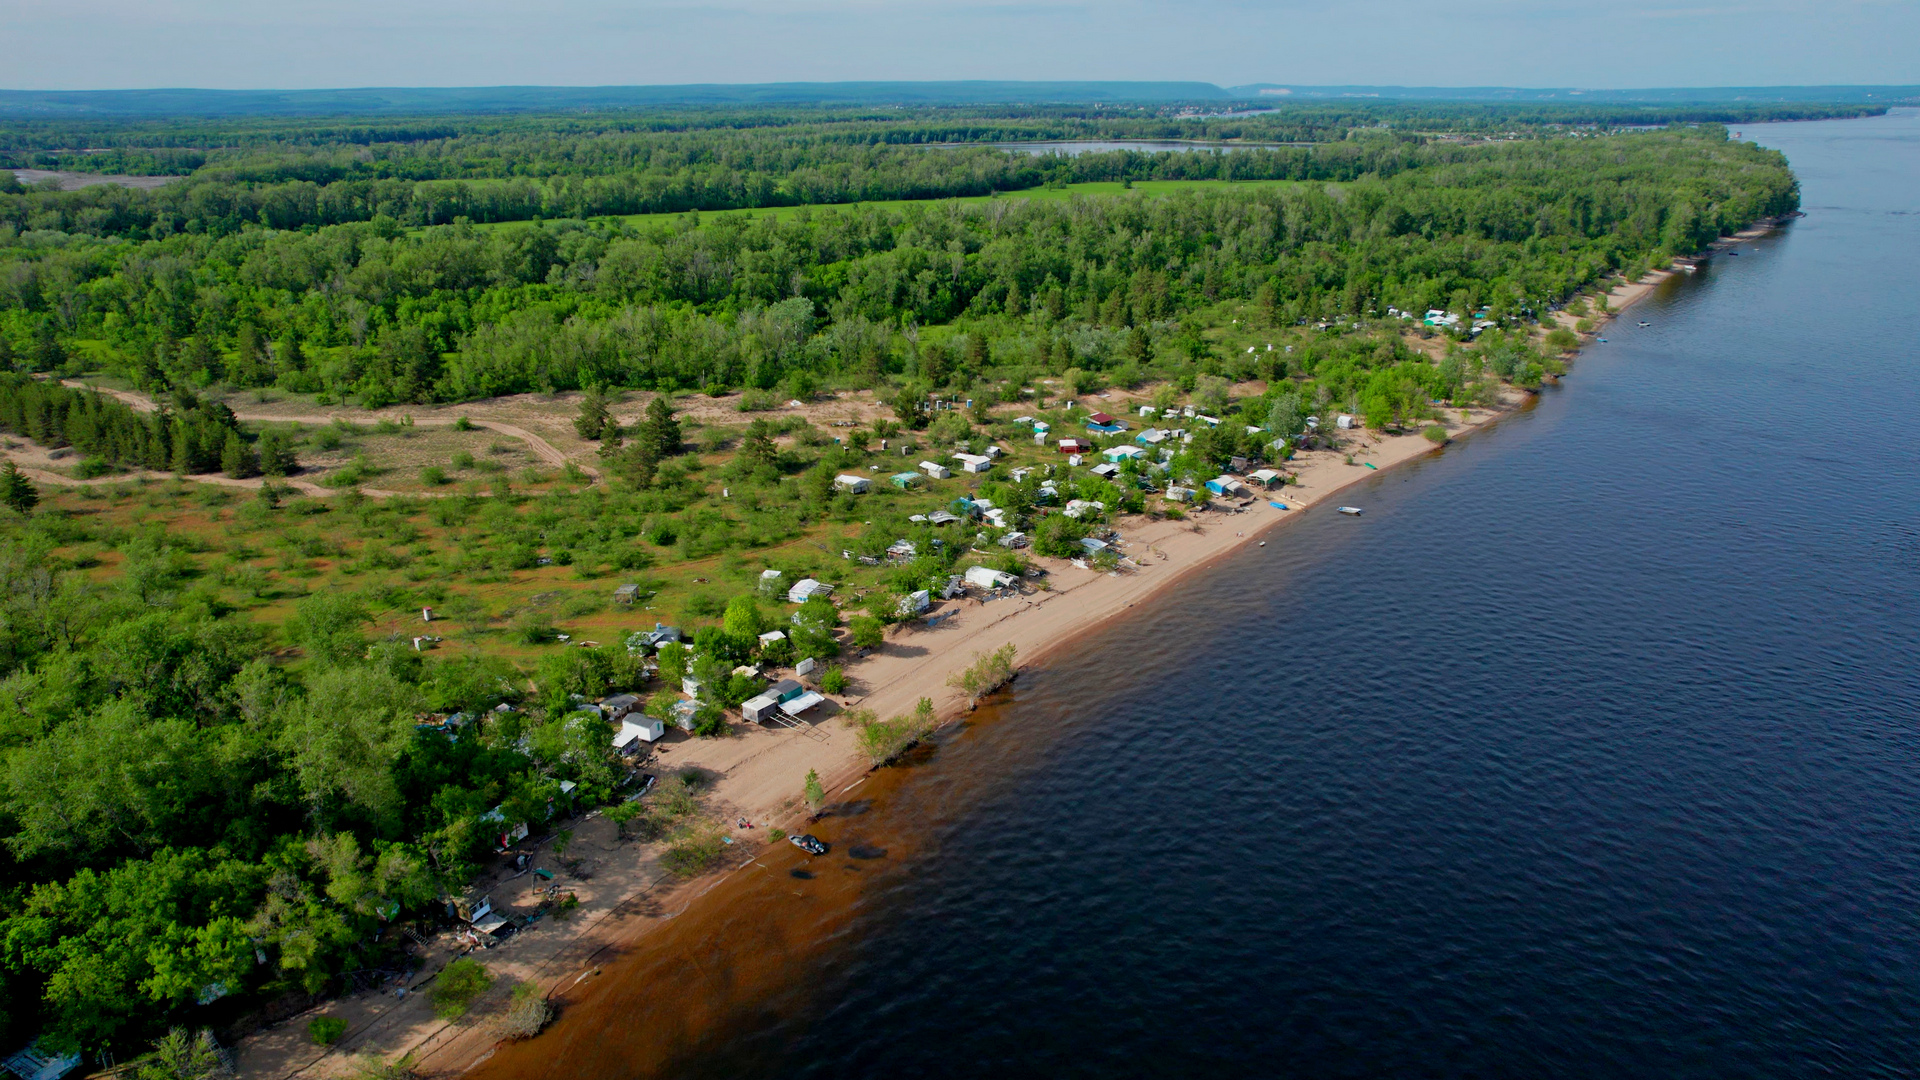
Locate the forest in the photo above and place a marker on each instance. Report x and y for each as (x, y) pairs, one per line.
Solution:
(227, 776)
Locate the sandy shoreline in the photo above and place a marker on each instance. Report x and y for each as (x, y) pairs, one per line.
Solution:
(758, 772)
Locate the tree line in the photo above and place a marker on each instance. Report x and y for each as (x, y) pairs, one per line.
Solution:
(936, 293)
(191, 435)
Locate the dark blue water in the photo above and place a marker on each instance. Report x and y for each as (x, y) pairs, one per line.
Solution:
(1592, 750)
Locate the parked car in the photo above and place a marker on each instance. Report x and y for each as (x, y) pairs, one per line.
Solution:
(809, 843)
(645, 780)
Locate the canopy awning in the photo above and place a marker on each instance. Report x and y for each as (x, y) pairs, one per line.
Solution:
(796, 706)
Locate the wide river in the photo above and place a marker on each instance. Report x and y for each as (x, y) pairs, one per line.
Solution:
(1592, 750)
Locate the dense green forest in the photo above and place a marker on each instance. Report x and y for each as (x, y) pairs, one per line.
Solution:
(374, 311)
(201, 809)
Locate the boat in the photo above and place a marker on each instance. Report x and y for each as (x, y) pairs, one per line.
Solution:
(1644, 322)
(1352, 510)
(1278, 505)
(809, 843)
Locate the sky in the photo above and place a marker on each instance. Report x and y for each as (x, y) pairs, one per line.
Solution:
(280, 44)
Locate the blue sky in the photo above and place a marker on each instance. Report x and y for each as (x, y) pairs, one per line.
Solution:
(116, 44)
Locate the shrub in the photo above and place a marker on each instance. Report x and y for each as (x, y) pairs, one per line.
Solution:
(834, 680)
(527, 1013)
(433, 476)
(462, 460)
(710, 721)
(987, 673)
(459, 985)
(692, 849)
(868, 632)
(461, 423)
(884, 740)
(326, 1030)
(1435, 434)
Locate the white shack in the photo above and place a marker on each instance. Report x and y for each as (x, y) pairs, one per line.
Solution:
(636, 731)
(986, 577)
(807, 588)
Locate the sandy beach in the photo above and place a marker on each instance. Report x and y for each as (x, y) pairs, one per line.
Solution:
(757, 774)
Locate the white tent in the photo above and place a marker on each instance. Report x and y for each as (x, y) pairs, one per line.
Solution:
(986, 577)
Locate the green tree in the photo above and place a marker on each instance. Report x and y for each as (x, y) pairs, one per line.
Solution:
(183, 1055)
(458, 986)
(660, 430)
(758, 456)
(276, 456)
(594, 417)
(327, 626)
(743, 619)
(16, 490)
(812, 791)
(868, 632)
(237, 459)
(343, 740)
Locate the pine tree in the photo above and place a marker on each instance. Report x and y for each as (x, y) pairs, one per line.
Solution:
(237, 459)
(16, 490)
(661, 429)
(276, 457)
(595, 417)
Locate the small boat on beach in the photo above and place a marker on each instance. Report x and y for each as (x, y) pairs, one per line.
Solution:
(1352, 511)
(1278, 505)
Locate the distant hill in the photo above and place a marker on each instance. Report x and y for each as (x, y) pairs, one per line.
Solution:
(1699, 95)
(417, 101)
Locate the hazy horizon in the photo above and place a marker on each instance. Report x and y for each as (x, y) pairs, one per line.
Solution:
(1635, 44)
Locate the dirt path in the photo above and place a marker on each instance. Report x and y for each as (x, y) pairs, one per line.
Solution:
(541, 448)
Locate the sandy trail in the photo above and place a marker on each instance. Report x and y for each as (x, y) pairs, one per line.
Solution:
(541, 448)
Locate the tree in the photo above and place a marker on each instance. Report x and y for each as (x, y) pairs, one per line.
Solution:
(16, 490)
(1285, 418)
(458, 986)
(237, 459)
(276, 457)
(1140, 346)
(868, 632)
(327, 626)
(758, 456)
(344, 738)
(595, 417)
(660, 430)
(743, 619)
(812, 791)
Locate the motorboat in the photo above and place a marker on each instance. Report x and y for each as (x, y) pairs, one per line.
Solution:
(809, 843)
(1353, 511)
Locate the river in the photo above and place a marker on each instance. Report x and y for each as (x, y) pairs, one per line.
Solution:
(1592, 750)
